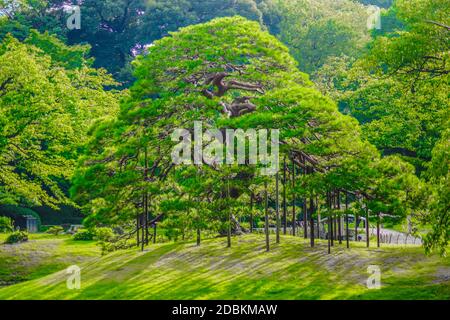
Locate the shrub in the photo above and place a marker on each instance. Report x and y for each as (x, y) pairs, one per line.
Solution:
(17, 237)
(103, 234)
(55, 230)
(84, 235)
(6, 225)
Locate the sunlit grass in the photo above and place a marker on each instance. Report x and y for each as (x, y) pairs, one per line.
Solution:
(291, 270)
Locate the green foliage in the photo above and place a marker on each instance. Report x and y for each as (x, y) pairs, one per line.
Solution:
(17, 237)
(84, 235)
(6, 225)
(45, 112)
(315, 30)
(173, 90)
(55, 230)
(399, 90)
(439, 177)
(103, 234)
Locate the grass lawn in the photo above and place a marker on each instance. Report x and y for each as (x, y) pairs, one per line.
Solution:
(291, 270)
(43, 254)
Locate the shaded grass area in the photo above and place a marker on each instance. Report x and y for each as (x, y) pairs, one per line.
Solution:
(291, 270)
(42, 255)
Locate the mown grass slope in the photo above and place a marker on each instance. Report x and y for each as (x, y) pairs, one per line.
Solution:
(43, 254)
(291, 270)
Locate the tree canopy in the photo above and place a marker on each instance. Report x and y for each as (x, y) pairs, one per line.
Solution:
(49, 96)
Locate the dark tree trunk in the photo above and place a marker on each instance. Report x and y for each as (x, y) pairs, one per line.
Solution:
(305, 218)
(277, 207)
(378, 229)
(331, 219)
(293, 197)
(198, 236)
(305, 210)
(143, 232)
(146, 197)
(339, 218)
(284, 197)
(318, 217)
(251, 212)
(266, 216)
(154, 233)
(311, 212)
(138, 226)
(346, 221)
(367, 228)
(229, 216)
(329, 222)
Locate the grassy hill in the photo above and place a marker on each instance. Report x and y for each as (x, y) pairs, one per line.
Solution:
(290, 270)
(42, 255)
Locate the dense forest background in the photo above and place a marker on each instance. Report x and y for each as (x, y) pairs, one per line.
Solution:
(81, 87)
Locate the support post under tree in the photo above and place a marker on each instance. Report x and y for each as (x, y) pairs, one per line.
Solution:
(318, 217)
(266, 216)
(305, 209)
(143, 232)
(229, 215)
(346, 221)
(340, 217)
(284, 197)
(311, 212)
(251, 212)
(277, 206)
(154, 233)
(146, 218)
(378, 229)
(138, 226)
(367, 227)
(331, 220)
(293, 197)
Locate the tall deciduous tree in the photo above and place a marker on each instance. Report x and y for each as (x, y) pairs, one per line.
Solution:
(49, 96)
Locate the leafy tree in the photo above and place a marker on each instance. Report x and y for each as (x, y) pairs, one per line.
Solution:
(228, 74)
(398, 90)
(316, 30)
(118, 30)
(438, 174)
(45, 110)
